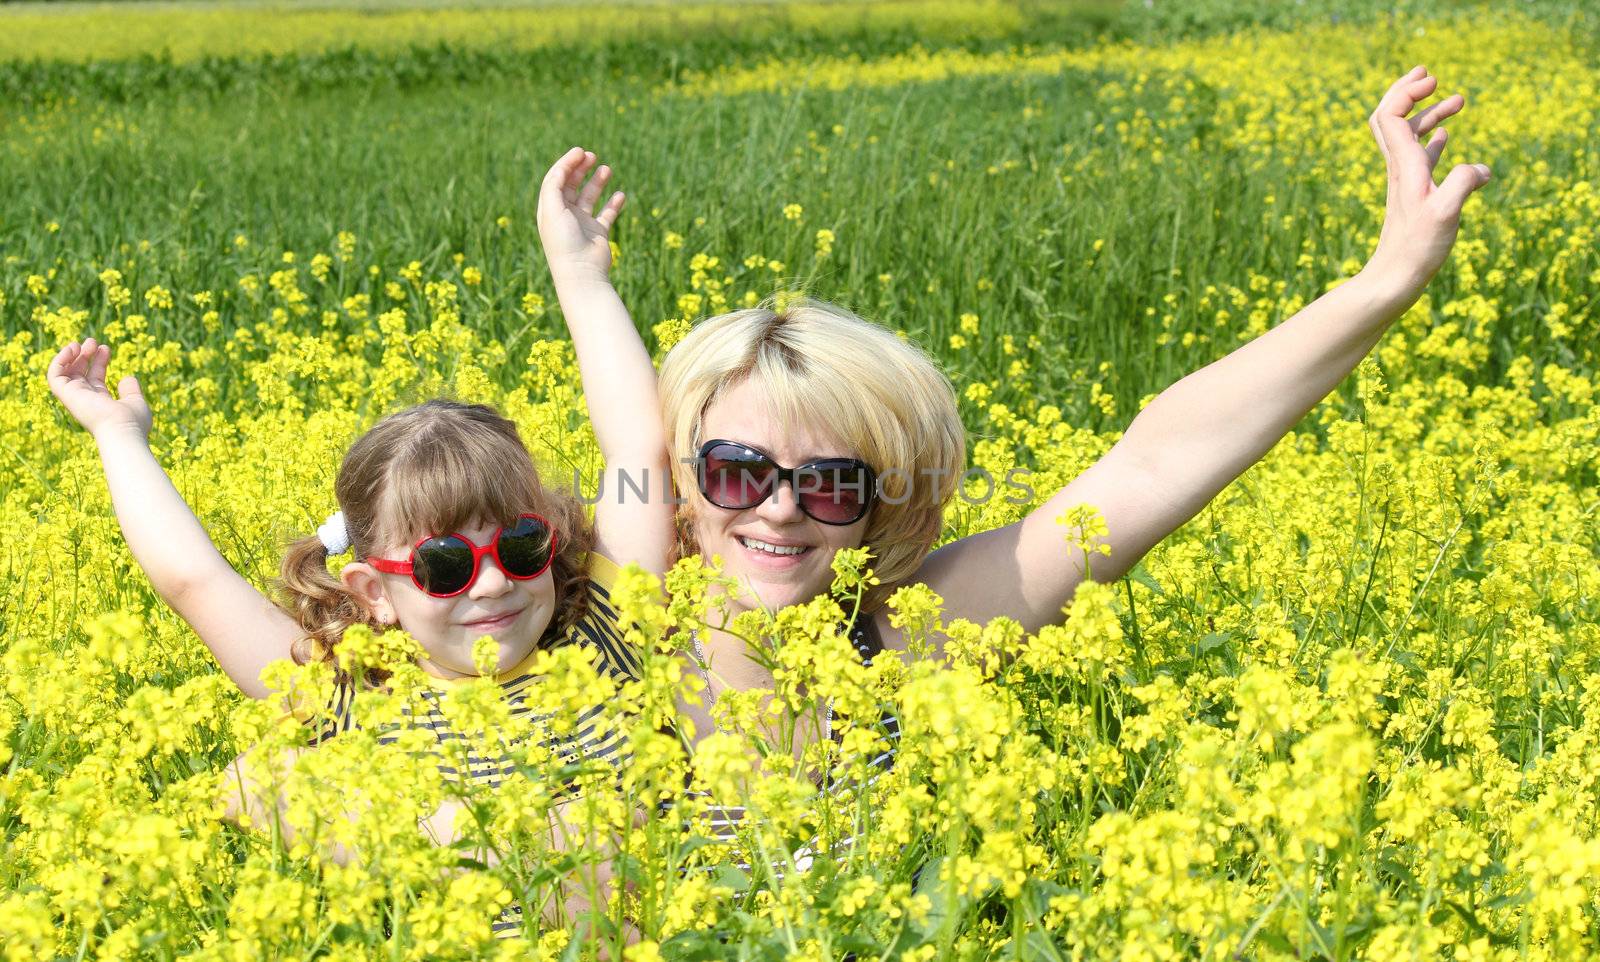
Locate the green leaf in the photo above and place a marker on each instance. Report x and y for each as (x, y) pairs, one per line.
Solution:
(731, 877)
(1142, 576)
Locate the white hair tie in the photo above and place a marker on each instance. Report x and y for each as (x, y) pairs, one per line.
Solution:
(334, 535)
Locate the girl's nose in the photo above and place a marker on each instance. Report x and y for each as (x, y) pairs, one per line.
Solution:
(491, 583)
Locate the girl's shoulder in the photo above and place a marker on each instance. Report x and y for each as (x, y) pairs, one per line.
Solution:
(598, 626)
(334, 715)
(601, 572)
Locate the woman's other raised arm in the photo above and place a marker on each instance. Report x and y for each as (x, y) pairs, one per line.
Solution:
(1204, 431)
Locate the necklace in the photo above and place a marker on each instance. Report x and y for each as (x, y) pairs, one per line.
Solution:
(704, 664)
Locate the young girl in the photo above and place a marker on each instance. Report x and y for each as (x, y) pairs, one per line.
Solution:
(451, 534)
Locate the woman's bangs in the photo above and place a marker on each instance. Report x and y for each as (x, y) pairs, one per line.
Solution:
(809, 399)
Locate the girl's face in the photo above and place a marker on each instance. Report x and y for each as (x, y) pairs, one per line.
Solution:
(746, 539)
(514, 613)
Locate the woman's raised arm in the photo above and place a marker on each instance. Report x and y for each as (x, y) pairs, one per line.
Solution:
(619, 382)
(1208, 428)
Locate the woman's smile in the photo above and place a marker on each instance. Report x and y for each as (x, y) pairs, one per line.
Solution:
(775, 554)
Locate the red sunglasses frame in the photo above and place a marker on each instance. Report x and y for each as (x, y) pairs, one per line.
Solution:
(479, 552)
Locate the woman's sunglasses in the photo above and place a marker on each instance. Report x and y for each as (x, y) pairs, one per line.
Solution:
(447, 564)
(833, 490)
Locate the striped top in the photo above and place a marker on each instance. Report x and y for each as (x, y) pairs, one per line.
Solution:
(593, 736)
(727, 822)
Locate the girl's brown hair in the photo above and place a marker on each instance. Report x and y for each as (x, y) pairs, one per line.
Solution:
(439, 466)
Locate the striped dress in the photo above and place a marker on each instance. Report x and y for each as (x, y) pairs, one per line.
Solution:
(726, 823)
(594, 737)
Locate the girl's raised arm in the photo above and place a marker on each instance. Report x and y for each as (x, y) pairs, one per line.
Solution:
(1205, 430)
(619, 382)
(241, 626)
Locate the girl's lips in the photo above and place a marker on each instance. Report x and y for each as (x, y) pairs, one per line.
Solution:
(493, 624)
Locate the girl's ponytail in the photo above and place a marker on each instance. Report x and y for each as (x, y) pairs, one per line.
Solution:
(320, 602)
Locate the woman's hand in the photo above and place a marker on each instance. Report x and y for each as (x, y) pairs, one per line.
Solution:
(77, 377)
(1421, 217)
(574, 236)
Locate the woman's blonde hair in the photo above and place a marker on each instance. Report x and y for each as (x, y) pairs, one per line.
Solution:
(439, 466)
(824, 367)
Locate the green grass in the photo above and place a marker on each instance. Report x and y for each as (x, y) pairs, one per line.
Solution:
(420, 164)
(424, 174)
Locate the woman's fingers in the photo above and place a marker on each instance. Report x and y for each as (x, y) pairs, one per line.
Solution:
(1405, 158)
(130, 393)
(1400, 97)
(1435, 147)
(57, 370)
(77, 366)
(1430, 116)
(562, 168)
(555, 179)
(567, 174)
(1394, 105)
(577, 173)
(1460, 183)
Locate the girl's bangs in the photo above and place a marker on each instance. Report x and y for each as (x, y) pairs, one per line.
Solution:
(444, 487)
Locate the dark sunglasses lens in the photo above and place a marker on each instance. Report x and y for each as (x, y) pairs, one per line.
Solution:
(524, 548)
(442, 566)
(735, 477)
(836, 494)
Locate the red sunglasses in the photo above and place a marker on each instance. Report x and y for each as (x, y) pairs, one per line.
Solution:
(445, 565)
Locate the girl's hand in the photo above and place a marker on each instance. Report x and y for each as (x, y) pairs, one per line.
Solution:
(572, 235)
(1421, 217)
(77, 377)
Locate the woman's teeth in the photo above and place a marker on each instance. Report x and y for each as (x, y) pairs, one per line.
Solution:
(771, 548)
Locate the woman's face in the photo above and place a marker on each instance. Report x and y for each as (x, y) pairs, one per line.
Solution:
(515, 613)
(779, 555)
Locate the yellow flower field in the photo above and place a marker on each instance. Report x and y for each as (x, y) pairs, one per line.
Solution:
(114, 31)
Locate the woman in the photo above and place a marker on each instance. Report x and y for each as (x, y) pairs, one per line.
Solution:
(752, 396)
